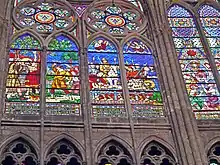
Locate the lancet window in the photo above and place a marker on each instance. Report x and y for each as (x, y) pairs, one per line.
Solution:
(198, 56)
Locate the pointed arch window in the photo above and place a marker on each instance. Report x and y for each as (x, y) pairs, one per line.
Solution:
(154, 154)
(63, 152)
(214, 154)
(197, 69)
(62, 77)
(112, 62)
(210, 19)
(113, 153)
(106, 91)
(19, 152)
(142, 80)
(23, 80)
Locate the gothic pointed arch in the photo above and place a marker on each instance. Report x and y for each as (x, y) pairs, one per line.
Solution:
(68, 138)
(145, 99)
(19, 152)
(23, 80)
(63, 152)
(62, 76)
(114, 153)
(194, 58)
(214, 154)
(106, 93)
(155, 153)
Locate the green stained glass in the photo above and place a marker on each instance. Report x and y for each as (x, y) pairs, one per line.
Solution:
(143, 85)
(26, 41)
(62, 80)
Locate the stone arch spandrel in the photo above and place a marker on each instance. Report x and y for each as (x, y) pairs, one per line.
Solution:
(158, 140)
(67, 137)
(109, 138)
(16, 136)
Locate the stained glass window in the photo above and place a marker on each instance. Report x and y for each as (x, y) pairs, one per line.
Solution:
(62, 80)
(45, 17)
(196, 69)
(136, 3)
(23, 80)
(142, 81)
(104, 77)
(16, 2)
(115, 19)
(210, 19)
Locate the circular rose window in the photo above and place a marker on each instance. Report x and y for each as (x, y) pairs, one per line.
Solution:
(45, 17)
(116, 19)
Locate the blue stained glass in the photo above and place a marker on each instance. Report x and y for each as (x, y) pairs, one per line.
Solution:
(63, 57)
(196, 70)
(208, 11)
(101, 45)
(104, 79)
(97, 58)
(185, 32)
(142, 80)
(137, 59)
(178, 11)
(212, 31)
(62, 43)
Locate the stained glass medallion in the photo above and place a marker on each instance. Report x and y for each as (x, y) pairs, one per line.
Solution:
(115, 19)
(62, 80)
(44, 16)
(200, 83)
(104, 77)
(23, 81)
(143, 85)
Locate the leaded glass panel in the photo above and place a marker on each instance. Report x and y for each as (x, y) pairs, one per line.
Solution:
(142, 80)
(23, 80)
(210, 19)
(197, 73)
(62, 80)
(104, 78)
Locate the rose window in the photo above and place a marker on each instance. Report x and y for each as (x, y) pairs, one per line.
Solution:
(115, 19)
(44, 17)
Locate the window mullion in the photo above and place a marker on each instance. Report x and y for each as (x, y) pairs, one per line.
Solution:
(207, 50)
(43, 83)
(42, 101)
(127, 103)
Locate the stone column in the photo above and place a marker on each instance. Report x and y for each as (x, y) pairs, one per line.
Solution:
(190, 151)
(4, 33)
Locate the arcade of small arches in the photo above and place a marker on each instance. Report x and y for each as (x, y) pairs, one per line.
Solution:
(64, 152)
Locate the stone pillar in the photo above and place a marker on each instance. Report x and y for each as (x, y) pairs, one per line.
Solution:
(4, 33)
(190, 151)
